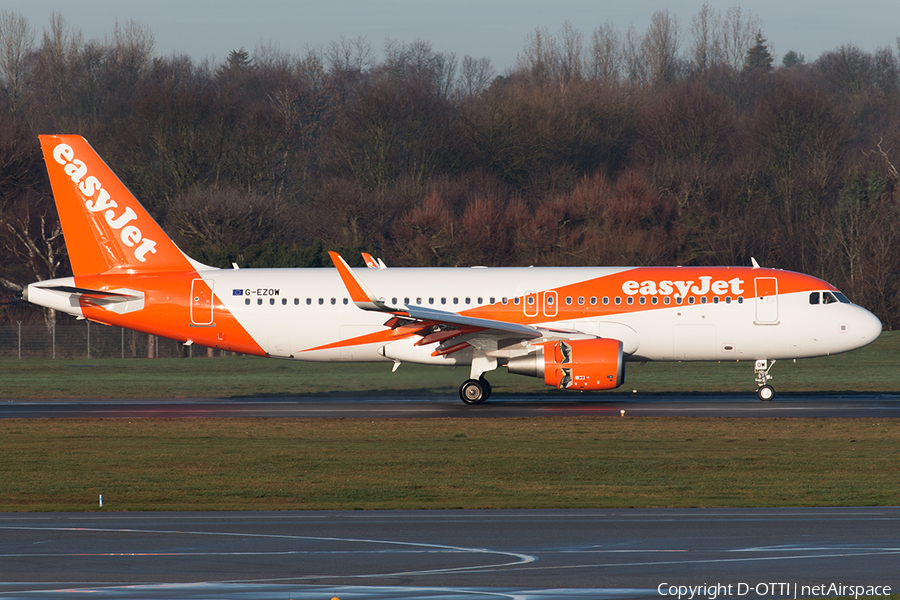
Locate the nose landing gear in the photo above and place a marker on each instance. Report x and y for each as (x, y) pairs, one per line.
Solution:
(764, 391)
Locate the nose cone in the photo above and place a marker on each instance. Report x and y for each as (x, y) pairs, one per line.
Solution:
(867, 327)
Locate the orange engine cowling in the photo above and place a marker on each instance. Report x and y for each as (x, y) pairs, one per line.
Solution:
(595, 364)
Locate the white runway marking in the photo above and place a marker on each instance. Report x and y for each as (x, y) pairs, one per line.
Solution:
(519, 559)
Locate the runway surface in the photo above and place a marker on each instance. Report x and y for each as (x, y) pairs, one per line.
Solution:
(526, 555)
(381, 407)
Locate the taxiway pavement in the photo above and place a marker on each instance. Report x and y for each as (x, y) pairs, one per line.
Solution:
(529, 555)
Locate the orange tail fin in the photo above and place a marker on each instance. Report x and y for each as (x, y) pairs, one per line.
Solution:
(106, 228)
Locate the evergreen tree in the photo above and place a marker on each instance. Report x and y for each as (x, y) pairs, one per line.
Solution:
(758, 59)
(793, 59)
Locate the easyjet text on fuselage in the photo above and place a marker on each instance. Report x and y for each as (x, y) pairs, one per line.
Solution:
(702, 286)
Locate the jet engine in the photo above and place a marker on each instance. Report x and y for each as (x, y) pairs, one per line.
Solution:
(596, 364)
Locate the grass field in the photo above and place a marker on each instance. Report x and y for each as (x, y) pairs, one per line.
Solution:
(875, 368)
(612, 462)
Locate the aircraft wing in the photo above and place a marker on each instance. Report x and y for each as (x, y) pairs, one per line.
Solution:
(452, 330)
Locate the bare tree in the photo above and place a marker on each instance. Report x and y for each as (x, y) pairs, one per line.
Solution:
(660, 48)
(475, 75)
(131, 48)
(706, 48)
(35, 238)
(606, 54)
(636, 68)
(738, 34)
(540, 56)
(56, 70)
(16, 42)
(349, 55)
(571, 53)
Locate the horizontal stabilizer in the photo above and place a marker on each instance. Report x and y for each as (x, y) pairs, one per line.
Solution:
(85, 291)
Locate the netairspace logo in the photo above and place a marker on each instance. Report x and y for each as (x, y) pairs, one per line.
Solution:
(770, 590)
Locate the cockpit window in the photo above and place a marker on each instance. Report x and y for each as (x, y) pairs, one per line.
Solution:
(828, 298)
(841, 298)
(814, 298)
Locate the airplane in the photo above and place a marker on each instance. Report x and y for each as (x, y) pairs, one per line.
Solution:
(573, 327)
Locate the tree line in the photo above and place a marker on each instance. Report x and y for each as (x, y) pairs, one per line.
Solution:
(681, 145)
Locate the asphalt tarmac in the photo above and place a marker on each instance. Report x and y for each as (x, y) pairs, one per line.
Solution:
(500, 405)
(524, 555)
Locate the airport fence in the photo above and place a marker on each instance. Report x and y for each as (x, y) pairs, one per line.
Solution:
(84, 339)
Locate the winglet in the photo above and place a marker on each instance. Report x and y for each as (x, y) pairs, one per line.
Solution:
(372, 262)
(359, 293)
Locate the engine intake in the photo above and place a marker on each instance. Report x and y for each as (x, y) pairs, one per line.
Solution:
(596, 364)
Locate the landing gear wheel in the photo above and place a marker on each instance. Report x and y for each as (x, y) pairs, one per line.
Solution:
(474, 391)
(487, 387)
(766, 393)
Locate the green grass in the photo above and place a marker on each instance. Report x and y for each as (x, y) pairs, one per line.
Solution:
(875, 368)
(609, 462)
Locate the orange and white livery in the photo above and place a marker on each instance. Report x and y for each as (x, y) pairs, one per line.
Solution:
(575, 327)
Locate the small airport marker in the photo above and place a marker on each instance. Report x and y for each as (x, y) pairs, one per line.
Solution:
(622, 412)
(101, 500)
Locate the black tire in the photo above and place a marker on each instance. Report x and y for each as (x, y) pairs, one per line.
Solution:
(487, 387)
(766, 393)
(473, 391)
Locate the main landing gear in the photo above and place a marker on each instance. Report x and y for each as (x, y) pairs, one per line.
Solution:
(765, 391)
(475, 391)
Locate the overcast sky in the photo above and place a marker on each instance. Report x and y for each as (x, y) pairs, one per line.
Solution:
(495, 29)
